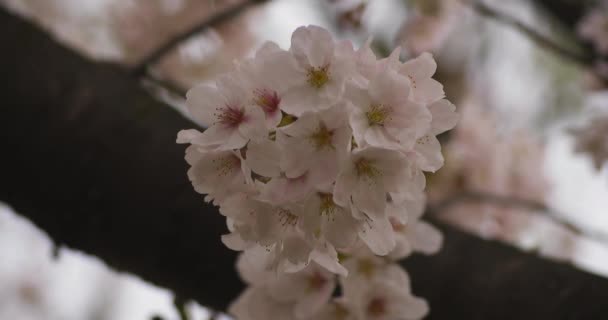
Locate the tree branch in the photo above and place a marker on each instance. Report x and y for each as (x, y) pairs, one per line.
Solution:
(154, 56)
(91, 159)
(581, 59)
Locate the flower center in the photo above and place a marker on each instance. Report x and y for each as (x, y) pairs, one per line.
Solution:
(376, 307)
(327, 207)
(226, 165)
(378, 114)
(318, 76)
(268, 100)
(286, 218)
(366, 169)
(316, 281)
(230, 116)
(322, 137)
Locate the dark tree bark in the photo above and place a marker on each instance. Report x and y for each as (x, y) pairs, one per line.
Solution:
(91, 158)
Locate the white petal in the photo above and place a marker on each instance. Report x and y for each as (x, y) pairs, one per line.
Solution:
(425, 238)
(423, 66)
(377, 136)
(327, 257)
(428, 151)
(444, 116)
(300, 99)
(312, 45)
(234, 242)
(345, 183)
(254, 127)
(202, 101)
(378, 235)
(186, 136)
(390, 88)
(427, 91)
(369, 196)
(264, 158)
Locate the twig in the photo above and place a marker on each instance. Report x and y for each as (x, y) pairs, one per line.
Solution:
(171, 88)
(157, 54)
(514, 202)
(581, 59)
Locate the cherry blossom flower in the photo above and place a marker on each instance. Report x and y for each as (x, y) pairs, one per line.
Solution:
(231, 120)
(383, 116)
(387, 301)
(323, 136)
(593, 28)
(323, 66)
(255, 304)
(217, 173)
(424, 89)
(327, 220)
(266, 83)
(309, 289)
(367, 176)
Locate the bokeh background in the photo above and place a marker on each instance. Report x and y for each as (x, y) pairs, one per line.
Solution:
(525, 165)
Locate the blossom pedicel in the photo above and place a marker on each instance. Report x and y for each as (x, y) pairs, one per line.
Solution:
(316, 156)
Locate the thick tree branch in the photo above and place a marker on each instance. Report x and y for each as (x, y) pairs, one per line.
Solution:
(90, 158)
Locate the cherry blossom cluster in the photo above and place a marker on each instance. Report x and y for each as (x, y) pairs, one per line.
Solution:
(314, 155)
(376, 288)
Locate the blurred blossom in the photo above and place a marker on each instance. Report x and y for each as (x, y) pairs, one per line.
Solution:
(592, 139)
(594, 28)
(349, 12)
(428, 27)
(481, 159)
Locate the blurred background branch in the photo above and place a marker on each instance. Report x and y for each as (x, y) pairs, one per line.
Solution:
(154, 56)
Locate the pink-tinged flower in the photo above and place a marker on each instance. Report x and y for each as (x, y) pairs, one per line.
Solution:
(427, 149)
(594, 27)
(376, 233)
(424, 89)
(366, 178)
(412, 234)
(268, 75)
(324, 219)
(256, 304)
(365, 267)
(231, 119)
(337, 309)
(218, 174)
(315, 144)
(322, 68)
(280, 230)
(430, 25)
(266, 159)
(383, 116)
(310, 289)
(444, 116)
(383, 300)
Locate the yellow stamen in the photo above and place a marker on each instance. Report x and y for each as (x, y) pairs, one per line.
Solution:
(322, 137)
(365, 168)
(378, 114)
(318, 76)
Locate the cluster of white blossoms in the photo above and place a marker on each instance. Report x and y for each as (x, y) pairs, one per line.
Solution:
(315, 156)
